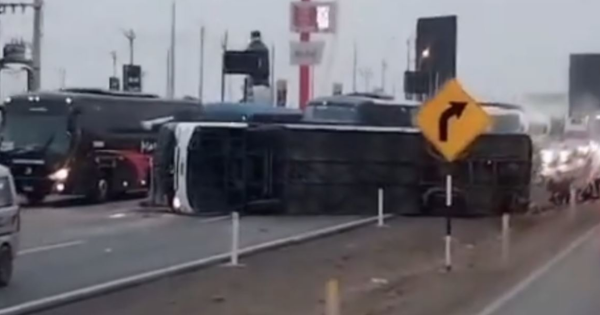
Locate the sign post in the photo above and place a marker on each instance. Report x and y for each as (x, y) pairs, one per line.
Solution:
(451, 121)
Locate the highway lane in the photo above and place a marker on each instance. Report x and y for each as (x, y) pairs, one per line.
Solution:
(66, 249)
(571, 286)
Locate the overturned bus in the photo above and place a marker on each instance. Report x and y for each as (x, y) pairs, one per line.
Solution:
(335, 167)
(175, 134)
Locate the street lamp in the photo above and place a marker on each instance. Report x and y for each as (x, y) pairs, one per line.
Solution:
(424, 55)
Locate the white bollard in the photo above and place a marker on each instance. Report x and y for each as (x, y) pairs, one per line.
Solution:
(448, 252)
(572, 201)
(380, 222)
(332, 298)
(505, 237)
(448, 237)
(235, 239)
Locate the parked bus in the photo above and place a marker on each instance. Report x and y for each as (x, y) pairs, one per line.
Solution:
(83, 141)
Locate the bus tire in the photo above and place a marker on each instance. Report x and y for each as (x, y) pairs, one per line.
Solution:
(35, 198)
(100, 192)
(6, 265)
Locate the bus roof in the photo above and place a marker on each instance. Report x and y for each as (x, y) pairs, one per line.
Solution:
(247, 109)
(95, 94)
(358, 99)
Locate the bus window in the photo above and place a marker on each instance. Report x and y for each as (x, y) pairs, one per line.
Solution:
(332, 112)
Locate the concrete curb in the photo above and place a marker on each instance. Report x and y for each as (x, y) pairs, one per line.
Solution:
(115, 285)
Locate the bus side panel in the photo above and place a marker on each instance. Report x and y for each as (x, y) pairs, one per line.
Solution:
(340, 172)
(494, 175)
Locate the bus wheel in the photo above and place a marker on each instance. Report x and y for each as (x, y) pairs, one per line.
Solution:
(6, 266)
(35, 198)
(100, 193)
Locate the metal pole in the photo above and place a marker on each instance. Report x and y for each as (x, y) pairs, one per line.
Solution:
(572, 201)
(131, 48)
(448, 237)
(224, 46)
(505, 237)
(383, 73)
(114, 62)
(380, 207)
(201, 76)
(168, 87)
(273, 92)
(304, 80)
(408, 55)
(173, 52)
(354, 67)
(37, 44)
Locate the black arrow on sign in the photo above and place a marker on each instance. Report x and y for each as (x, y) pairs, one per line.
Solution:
(455, 110)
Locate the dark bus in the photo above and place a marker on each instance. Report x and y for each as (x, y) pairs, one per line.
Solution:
(83, 141)
(170, 135)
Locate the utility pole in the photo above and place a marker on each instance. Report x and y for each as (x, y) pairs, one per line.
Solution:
(354, 67)
(33, 66)
(201, 74)
(36, 51)
(168, 87)
(273, 91)
(173, 52)
(130, 35)
(224, 49)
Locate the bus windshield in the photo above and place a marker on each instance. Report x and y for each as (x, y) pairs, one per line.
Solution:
(34, 131)
(507, 124)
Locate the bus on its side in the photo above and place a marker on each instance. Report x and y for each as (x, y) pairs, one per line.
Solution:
(82, 141)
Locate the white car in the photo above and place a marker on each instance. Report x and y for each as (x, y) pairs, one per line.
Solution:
(10, 225)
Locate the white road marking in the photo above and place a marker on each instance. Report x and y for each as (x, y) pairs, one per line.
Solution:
(94, 290)
(50, 247)
(118, 215)
(215, 219)
(496, 305)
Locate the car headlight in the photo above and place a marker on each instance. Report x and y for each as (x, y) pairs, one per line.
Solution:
(176, 203)
(547, 156)
(583, 149)
(564, 155)
(60, 175)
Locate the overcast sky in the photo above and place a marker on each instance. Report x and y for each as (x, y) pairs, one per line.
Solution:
(506, 47)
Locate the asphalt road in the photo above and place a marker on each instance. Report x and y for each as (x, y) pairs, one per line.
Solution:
(70, 248)
(570, 286)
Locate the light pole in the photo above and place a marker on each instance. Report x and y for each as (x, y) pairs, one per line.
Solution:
(113, 55)
(130, 35)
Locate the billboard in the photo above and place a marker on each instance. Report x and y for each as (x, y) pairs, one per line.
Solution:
(584, 84)
(306, 53)
(132, 78)
(313, 17)
(436, 47)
